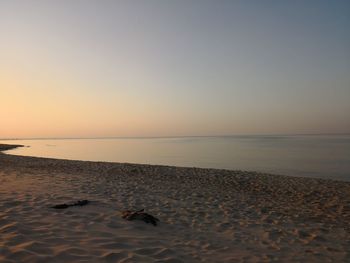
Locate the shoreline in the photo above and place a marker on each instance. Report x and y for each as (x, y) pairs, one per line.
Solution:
(206, 215)
(7, 147)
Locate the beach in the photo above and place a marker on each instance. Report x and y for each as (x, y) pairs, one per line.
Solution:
(206, 215)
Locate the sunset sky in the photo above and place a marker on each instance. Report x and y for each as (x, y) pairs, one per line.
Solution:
(171, 68)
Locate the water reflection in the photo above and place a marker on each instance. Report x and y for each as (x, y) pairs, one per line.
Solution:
(319, 156)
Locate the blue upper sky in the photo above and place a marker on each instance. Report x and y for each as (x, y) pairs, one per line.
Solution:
(149, 68)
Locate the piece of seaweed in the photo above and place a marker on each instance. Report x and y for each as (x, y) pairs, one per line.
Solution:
(64, 206)
(140, 215)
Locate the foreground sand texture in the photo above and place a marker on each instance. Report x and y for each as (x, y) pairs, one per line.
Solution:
(206, 215)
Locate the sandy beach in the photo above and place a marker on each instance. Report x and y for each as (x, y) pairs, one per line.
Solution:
(206, 215)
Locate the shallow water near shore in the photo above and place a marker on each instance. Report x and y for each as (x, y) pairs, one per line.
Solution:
(309, 155)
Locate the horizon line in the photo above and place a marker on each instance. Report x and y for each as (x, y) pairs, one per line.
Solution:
(172, 136)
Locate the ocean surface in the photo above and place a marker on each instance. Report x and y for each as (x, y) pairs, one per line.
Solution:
(309, 155)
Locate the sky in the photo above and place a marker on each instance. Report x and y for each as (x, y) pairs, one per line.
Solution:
(173, 68)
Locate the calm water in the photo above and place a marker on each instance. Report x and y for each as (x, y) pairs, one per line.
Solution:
(314, 156)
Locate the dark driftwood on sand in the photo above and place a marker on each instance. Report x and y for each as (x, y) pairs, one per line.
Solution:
(78, 203)
(140, 215)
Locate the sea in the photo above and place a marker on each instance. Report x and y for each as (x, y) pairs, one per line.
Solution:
(321, 156)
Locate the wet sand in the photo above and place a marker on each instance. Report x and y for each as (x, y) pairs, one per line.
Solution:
(206, 215)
